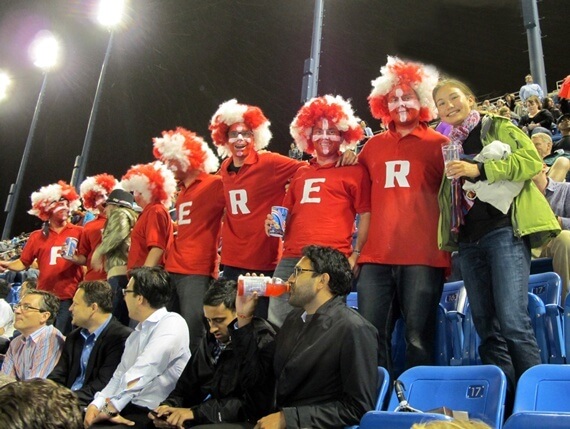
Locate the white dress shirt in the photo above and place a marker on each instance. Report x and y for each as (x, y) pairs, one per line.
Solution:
(155, 354)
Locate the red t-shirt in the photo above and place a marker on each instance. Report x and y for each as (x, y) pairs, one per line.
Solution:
(323, 202)
(57, 274)
(152, 229)
(406, 173)
(89, 240)
(250, 193)
(199, 210)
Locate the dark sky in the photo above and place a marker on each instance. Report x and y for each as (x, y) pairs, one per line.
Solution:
(177, 60)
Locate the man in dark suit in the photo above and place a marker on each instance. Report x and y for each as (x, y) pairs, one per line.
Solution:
(91, 352)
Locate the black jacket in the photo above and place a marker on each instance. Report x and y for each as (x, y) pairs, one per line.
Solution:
(215, 392)
(326, 368)
(103, 361)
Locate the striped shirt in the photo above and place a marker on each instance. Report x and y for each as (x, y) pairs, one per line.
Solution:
(34, 356)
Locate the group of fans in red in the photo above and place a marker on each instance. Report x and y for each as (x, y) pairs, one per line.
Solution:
(396, 185)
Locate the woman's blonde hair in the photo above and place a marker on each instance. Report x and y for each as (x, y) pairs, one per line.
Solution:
(453, 424)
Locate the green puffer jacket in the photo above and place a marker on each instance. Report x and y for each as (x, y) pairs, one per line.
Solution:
(531, 213)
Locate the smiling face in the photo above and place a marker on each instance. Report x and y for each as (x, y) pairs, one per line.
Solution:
(240, 140)
(403, 105)
(326, 139)
(59, 210)
(453, 105)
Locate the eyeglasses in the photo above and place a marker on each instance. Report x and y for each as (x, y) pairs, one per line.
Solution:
(26, 307)
(299, 270)
(126, 291)
(244, 134)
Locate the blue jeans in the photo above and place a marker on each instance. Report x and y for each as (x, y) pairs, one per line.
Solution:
(495, 272)
(416, 291)
(279, 306)
(120, 310)
(63, 318)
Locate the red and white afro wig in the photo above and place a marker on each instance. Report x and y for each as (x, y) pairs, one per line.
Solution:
(420, 77)
(44, 200)
(154, 181)
(337, 111)
(231, 112)
(190, 150)
(95, 189)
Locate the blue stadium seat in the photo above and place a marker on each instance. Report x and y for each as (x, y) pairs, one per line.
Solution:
(480, 390)
(471, 339)
(449, 333)
(352, 300)
(542, 392)
(548, 287)
(383, 386)
(544, 388)
(537, 314)
(532, 420)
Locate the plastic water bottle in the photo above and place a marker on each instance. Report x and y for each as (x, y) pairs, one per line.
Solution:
(264, 286)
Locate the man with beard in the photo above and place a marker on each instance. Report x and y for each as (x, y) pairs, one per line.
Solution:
(400, 264)
(324, 364)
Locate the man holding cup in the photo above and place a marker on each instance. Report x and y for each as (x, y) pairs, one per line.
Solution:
(322, 202)
(53, 204)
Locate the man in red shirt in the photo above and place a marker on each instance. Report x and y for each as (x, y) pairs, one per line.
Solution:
(94, 192)
(322, 201)
(53, 204)
(153, 186)
(193, 258)
(400, 262)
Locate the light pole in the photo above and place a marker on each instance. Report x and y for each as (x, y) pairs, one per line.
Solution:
(110, 15)
(44, 50)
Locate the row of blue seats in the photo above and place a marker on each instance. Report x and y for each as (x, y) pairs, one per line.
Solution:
(541, 399)
(457, 342)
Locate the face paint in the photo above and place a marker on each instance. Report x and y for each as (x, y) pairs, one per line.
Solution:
(403, 104)
(240, 139)
(326, 140)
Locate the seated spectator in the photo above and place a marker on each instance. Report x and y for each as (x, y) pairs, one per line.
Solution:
(510, 101)
(92, 351)
(6, 317)
(155, 355)
(28, 285)
(34, 353)
(208, 390)
(557, 162)
(324, 360)
(548, 104)
(38, 404)
(558, 196)
(536, 116)
(564, 128)
(506, 112)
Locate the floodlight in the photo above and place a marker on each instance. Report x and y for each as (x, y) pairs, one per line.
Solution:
(110, 12)
(45, 50)
(4, 84)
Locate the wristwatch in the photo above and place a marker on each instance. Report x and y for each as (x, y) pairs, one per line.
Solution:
(106, 410)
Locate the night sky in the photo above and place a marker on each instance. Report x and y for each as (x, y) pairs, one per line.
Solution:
(177, 60)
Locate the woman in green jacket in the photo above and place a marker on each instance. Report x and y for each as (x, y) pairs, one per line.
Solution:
(494, 247)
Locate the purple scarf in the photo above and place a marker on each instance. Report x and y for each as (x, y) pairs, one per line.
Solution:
(460, 204)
